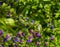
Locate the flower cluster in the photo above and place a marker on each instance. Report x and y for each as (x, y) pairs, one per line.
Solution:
(29, 23)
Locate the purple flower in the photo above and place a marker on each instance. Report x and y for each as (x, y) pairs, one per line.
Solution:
(52, 37)
(18, 34)
(4, 40)
(45, 45)
(7, 36)
(16, 46)
(28, 41)
(8, 14)
(1, 32)
(31, 31)
(16, 39)
(1, 3)
(23, 34)
(37, 44)
(20, 41)
(30, 37)
(1, 46)
(38, 35)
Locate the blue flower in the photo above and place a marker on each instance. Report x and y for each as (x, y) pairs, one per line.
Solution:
(32, 21)
(16, 39)
(51, 27)
(28, 41)
(27, 26)
(1, 3)
(27, 18)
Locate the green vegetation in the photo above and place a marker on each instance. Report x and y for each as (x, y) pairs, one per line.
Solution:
(29, 23)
